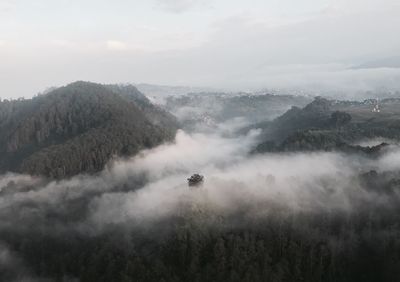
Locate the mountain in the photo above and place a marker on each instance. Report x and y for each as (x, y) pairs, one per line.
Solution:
(332, 125)
(159, 93)
(389, 62)
(210, 108)
(78, 129)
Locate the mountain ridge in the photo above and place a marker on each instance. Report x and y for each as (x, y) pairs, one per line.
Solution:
(78, 128)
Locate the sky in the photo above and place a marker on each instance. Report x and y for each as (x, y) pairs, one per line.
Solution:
(311, 45)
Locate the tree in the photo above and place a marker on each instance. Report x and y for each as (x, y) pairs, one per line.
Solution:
(340, 119)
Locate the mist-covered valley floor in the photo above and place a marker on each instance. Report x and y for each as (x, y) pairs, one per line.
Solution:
(314, 216)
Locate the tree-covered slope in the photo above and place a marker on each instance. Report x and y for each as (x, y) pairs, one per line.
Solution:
(78, 128)
(214, 108)
(331, 125)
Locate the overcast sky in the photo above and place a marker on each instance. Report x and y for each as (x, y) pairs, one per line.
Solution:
(216, 43)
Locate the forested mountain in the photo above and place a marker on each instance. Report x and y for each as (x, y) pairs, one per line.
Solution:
(78, 128)
(329, 125)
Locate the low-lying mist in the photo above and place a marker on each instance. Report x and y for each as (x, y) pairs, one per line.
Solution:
(153, 186)
(150, 190)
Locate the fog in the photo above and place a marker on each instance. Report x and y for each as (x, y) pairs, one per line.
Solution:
(150, 190)
(334, 47)
(152, 186)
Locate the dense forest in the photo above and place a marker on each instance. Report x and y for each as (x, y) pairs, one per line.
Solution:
(199, 245)
(79, 128)
(329, 125)
(298, 197)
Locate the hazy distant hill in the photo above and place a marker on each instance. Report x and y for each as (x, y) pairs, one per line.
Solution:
(78, 128)
(329, 125)
(390, 62)
(209, 108)
(158, 93)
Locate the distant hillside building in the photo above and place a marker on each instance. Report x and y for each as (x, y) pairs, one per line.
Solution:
(376, 108)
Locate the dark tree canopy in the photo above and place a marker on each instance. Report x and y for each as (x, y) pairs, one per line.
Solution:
(79, 128)
(340, 118)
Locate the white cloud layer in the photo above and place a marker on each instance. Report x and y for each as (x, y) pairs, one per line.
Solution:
(233, 182)
(116, 45)
(225, 44)
(179, 6)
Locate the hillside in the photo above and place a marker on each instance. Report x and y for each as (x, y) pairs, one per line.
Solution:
(209, 109)
(79, 128)
(332, 125)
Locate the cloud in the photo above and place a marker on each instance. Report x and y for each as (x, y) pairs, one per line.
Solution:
(152, 187)
(295, 181)
(115, 45)
(63, 43)
(233, 182)
(357, 6)
(240, 51)
(6, 6)
(180, 6)
(333, 80)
